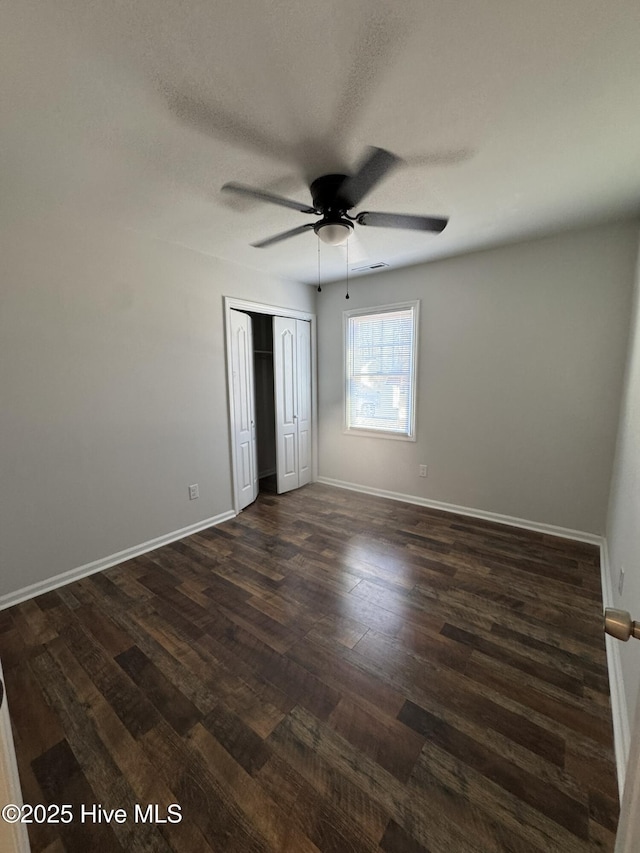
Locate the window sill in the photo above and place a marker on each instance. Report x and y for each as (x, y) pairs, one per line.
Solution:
(374, 433)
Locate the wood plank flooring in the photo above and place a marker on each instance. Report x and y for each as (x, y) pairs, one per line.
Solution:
(327, 672)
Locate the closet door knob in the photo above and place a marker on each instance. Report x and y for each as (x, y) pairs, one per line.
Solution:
(618, 624)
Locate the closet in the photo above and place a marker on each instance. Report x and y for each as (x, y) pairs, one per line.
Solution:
(270, 359)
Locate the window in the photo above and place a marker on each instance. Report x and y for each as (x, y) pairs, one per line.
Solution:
(380, 357)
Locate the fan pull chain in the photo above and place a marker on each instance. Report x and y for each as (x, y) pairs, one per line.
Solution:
(319, 288)
(347, 296)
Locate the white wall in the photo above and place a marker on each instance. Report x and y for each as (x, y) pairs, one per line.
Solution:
(521, 362)
(113, 386)
(623, 522)
(113, 391)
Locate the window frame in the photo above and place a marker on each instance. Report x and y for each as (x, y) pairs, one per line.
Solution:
(372, 432)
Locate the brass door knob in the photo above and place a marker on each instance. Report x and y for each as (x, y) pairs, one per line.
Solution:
(618, 624)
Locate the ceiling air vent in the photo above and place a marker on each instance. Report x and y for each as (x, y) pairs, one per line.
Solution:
(377, 266)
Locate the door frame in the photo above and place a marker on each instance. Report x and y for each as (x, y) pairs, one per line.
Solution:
(628, 834)
(13, 836)
(231, 303)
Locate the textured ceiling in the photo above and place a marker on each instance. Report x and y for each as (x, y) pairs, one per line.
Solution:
(513, 119)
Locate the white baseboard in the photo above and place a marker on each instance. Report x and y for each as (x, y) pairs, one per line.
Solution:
(619, 710)
(11, 598)
(511, 521)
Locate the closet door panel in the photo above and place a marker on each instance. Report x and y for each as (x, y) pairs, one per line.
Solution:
(289, 461)
(286, 392)
(243, 408)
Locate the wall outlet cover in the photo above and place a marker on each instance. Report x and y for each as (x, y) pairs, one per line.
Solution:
(194, 492)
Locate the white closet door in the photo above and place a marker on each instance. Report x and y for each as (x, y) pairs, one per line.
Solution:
(303, 361)
(245, 461)
(286, 391)
(292, 381)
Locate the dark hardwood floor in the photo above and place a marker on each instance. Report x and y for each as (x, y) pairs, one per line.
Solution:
(328, 671)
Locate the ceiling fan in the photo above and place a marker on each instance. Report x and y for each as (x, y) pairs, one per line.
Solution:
(334, 195)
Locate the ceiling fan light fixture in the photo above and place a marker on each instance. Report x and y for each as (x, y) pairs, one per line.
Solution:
(334, 233)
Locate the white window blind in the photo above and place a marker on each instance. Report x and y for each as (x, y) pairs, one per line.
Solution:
(380, 366)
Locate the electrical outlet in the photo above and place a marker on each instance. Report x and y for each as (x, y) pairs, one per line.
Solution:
(423, 470)
(194, 492)
(621, 580)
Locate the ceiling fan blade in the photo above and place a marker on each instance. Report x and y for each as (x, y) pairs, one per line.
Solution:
(400, 220)
(206, 116)
(284, 235)
(371, 171)
(242, 189)
(441, 157)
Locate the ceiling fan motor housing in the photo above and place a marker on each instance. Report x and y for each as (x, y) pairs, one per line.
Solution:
(333, 228)
(325, 194)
